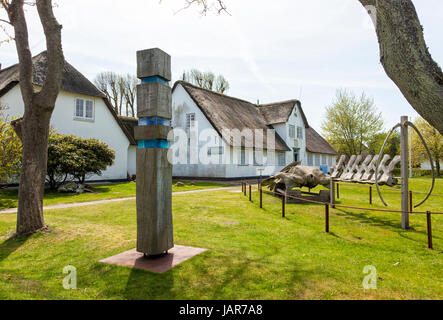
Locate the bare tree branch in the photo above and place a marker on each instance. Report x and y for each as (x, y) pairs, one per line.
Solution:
(207, 6)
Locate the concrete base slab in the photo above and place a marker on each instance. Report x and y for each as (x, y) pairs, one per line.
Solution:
(134, 259)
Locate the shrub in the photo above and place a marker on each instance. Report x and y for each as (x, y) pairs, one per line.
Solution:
(10, 150)
(416, 172)
(73, 157)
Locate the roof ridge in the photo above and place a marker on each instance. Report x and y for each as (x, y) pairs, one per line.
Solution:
(16, 64)
(235, 98)
(278, 102)
(210, 91)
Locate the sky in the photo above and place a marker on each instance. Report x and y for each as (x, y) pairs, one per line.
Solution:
(268, 50)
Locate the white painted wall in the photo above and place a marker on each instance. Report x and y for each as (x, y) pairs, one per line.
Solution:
(426, 165)
(132, 151)
(282, 129)
(182, 104)
(104, 127)
(321, 159)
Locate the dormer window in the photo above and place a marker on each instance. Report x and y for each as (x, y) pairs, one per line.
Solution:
(84, 109)
(299, 133)
(291, 131)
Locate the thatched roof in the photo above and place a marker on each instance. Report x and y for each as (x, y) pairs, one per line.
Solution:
(279, 112)
(72, 81)
(225, 112)
(316, 144)
(129, 123)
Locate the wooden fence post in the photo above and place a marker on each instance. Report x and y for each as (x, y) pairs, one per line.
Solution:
(410, 201)
(244, 191)
(250, 193)
(283, 202)
(261, 196)
(327, 217)
(428, 220)
(332, 192)
(370, 194)
(338, 191)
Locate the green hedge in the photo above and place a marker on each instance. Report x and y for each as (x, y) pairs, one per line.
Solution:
(416, 172)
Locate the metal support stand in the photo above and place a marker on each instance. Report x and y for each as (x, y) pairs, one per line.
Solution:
(404, 154)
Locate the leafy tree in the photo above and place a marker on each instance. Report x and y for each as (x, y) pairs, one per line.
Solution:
(120, 91)
(351, 123)
(433, 139)
(10, 150)
(392, 147)
(207, 80)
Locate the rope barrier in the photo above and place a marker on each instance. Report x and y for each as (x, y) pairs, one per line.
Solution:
(327, 206)
(350, 207)
(355, 184)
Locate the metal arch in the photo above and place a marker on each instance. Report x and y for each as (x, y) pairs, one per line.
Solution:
(379, 159)
(430, 159)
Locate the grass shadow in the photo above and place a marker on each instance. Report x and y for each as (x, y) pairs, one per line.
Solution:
(10, 245)
(146, 285)
(365, 218)
(394, 224)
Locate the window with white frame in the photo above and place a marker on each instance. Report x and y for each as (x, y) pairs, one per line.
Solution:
(310, 159)
(84, 109)
(330, 161)
(281, 158)
(243, 157)
(258, 157)
(299, 133)
(323, 159)
(291, 131)
(317, 160)
(190, 121)
(215, 150)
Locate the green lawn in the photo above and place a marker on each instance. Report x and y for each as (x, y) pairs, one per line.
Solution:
(8, 198)
(253, 253)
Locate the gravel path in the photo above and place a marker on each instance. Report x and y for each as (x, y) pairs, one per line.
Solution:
(90, 203)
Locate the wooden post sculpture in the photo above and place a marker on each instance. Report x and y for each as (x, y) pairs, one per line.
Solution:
(154, 171)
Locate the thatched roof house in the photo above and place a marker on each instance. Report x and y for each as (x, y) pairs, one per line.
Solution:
(81, 109)
(295, 139)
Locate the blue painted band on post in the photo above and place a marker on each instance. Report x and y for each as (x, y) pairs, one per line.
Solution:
(155, 79)
(154, 143)
(150, 121)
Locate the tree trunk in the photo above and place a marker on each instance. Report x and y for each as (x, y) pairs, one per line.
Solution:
(406, 59)
(35, 128)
